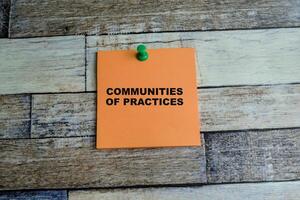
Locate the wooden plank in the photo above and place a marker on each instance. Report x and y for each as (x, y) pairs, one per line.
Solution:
(248, 57)
(240, 108)
(75, 163)
(229, 108)
(55, 64)
(65, 17)
(250, 191)
(253, 156)
(32, 195)
(63, 115)
(4, 17)
(14, 116)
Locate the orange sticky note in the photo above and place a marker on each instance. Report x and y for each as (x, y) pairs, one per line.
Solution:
(147, 104)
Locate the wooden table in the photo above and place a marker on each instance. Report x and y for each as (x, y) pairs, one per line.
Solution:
(248, 72)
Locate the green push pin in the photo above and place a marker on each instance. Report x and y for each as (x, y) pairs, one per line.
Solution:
(142, 54)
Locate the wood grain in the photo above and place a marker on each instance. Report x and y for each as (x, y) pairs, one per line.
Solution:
(266, 191)
(34, 195)
(14, 116)
(55, 64)
(253, 156)
(75, 163)
(247, 57)
(4, 17)
(65, 17)
(229, 108)
(240, 108)
(63, 115)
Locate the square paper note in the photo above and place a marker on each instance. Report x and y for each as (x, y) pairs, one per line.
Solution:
(147, 104)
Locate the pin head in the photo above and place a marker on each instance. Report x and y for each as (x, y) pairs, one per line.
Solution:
(142, 54)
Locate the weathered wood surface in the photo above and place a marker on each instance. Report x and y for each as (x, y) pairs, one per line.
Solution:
(75, 163)
(229, 108)
(253, 156)
(265, 191)
(4, 17)
(14, 116)
(251, 107)
(244, 57)
(34, 195)
(63, 115)
(36, 65)
(55, 157)
(65, 17)
(248, 57)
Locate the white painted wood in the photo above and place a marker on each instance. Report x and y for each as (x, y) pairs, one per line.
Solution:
(252, 191)
(54, 64)
(244, 57)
